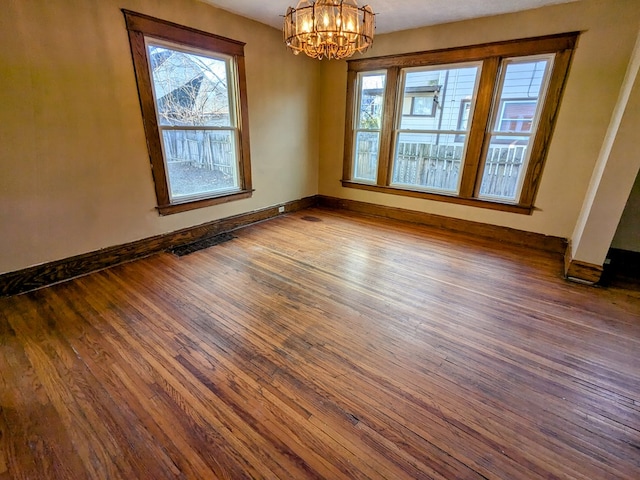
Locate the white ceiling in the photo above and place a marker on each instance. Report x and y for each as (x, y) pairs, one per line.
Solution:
(392, 15)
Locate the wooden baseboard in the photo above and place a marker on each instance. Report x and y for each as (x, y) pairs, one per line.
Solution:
(500, 234)
(39, 276)
(583, 272)
(579, 271)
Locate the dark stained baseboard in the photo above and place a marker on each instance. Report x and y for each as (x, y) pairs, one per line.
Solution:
(579, 271)
(39, 276)
(583, 272)
(49, 273)
(500, 234)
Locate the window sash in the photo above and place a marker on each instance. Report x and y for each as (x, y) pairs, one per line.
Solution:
(197, 190)
(225, 173)
(366, 160)
(512, 161)
(433, 166)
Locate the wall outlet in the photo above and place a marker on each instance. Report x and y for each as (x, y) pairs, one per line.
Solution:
(281, 209)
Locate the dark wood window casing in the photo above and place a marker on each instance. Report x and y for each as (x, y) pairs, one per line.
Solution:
(141, 27)
(491, 57)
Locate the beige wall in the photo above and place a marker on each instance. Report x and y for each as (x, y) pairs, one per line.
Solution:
(596, 76)
(613, 176)
(75, 169)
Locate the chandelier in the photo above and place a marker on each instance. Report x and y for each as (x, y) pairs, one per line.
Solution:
(329, 28)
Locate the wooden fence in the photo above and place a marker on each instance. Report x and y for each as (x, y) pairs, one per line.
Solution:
(366, 166)
(502, 170)
(203, 149)
(438, 166)
(427, 165)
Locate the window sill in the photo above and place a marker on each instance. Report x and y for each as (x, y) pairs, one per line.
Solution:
(204, 202)
(472, 202)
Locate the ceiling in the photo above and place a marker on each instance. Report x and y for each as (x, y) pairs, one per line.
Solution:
(393, 15)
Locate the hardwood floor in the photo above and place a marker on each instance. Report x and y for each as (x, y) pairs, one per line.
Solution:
(324, 344)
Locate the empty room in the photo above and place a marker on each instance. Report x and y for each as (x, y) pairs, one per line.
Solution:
(331, 239)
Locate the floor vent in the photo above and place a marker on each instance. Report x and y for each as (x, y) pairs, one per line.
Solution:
(183, 250)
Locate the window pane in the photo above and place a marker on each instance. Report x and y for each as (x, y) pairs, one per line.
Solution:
(506, 158)
(522, 83)
(190, 89)
(200, 162)
(366, 158)
(371, 101)
(433, 97)
(429, 160)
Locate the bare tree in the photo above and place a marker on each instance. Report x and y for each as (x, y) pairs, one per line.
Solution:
(191, 90)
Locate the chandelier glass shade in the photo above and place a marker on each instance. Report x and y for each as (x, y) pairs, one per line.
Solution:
(329, 28)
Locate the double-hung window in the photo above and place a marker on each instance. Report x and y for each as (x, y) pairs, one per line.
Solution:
(368, 125)
(192, 93)
(469, 125)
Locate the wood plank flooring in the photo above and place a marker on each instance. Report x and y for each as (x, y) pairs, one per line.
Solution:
(323, 344)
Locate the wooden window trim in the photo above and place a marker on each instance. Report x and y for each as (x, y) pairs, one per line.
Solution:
(204, 202)
(140, 26)
(471, 170)
(472, 202)
(546, 125)
(491, 55)
(386, 133)
(509, 48)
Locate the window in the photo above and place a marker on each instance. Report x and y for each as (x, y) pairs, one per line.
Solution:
(420, 101)
(516, 115)
(463, 119)
(192, 94)
(469, 125)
